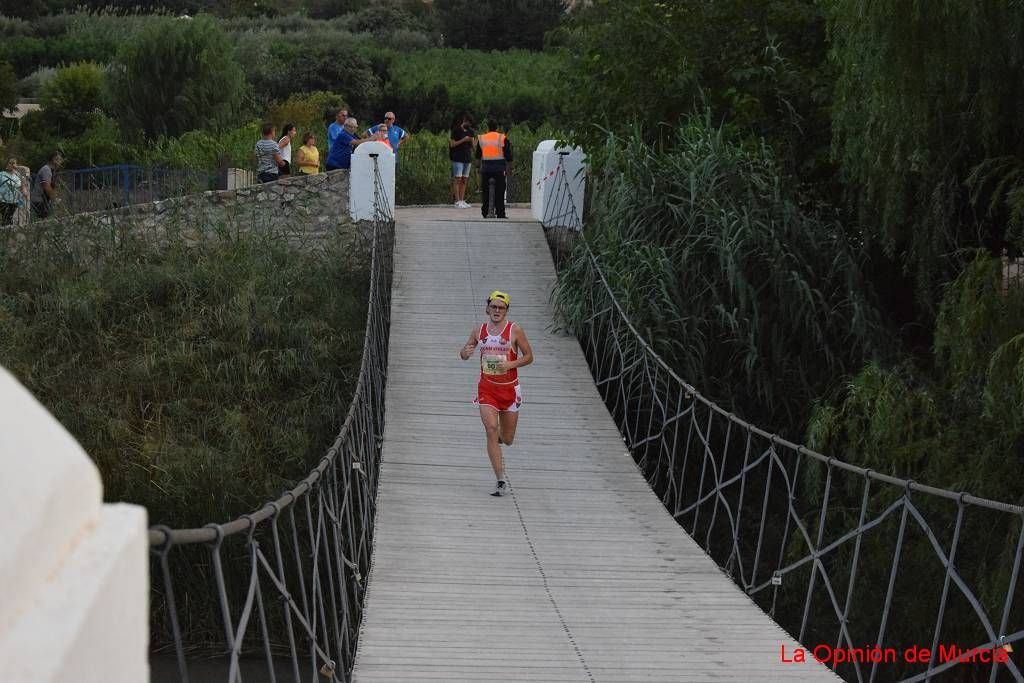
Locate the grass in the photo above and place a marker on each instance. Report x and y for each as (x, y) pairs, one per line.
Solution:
(202, 377)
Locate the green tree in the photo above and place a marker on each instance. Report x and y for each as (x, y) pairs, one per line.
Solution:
(309, 111)
(176, 75)
(70, 97)
(498, 24)
(956, 423)
(29, 9)
(328, 9)
(927, 91)
(278, 67)
(8, 86)
(758, 65)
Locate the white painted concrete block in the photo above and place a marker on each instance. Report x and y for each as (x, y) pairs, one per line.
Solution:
(361, 193)
(546, 181)
(51, 489)
(238, 178)
(74, 573)
(88, 620)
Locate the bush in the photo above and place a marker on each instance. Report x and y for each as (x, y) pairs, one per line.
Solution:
(8, 86)
(174, 76)
(12, 26)
(757, 303)
(204, 150)
(66, 38)
(72, 94)
(498, 24)
(920, 421)
(429, 89)
(279, 67)
(957, 424)
(100, 142)
(87, 42)
(24, 53)
(328, 9)
(308, 111)
(32, 85)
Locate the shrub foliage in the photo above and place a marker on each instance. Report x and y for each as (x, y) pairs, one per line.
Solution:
(176, 75)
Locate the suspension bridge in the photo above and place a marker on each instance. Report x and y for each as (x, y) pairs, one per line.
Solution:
(582, 574)
(650, 534)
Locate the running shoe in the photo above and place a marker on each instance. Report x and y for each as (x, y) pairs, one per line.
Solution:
(500, 488)
(466, 205)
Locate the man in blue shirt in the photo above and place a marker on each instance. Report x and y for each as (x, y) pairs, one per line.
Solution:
(340, 154)
(333, 131)
(396, 135)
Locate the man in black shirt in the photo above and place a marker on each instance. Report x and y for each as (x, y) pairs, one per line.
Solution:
(460, 151)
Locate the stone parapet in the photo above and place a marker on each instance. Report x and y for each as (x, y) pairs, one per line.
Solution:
(303, 208)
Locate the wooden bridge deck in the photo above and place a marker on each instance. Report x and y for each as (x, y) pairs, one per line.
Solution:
(581, 574)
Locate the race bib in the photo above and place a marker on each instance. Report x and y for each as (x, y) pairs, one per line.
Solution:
(489, 364)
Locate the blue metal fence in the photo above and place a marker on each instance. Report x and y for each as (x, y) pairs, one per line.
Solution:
(110, 187)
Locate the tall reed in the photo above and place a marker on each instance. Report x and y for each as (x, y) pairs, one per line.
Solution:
(755, 302)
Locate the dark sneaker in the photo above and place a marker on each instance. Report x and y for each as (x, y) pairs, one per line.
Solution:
(500, 488)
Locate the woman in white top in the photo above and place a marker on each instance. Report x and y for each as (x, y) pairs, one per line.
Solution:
(11, 192)
(285, 145)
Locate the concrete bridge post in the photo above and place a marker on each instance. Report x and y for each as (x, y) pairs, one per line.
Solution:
(548, 186)
(74, 573)
(362, 181)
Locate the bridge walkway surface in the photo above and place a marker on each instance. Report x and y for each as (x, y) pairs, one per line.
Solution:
(581, 574)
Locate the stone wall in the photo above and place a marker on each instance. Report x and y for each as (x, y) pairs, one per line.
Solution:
(303, 209)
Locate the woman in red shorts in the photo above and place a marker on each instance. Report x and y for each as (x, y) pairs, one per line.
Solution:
(503, 349)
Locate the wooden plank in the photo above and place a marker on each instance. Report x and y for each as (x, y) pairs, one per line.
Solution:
(581, 574)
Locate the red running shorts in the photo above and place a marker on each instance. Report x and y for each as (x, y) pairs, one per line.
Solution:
(501, 397)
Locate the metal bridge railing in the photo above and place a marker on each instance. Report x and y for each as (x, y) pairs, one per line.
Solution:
(841, 556)
(110, 187)
(284, 585)
(562, 218)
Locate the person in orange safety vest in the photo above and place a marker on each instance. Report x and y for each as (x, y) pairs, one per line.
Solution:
(495, 152)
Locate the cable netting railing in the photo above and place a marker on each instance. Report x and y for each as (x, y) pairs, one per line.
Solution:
(563, 217)
(277, 594)
(879, 577)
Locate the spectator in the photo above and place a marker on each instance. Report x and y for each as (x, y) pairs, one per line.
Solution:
(348, 139)
(308, 155)
(395, 134)
(11, 195)
(380, 134)
(333, 131)
(495, 151)
(43, 193)
(460, 151)
(268, 155)
(285, 144)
